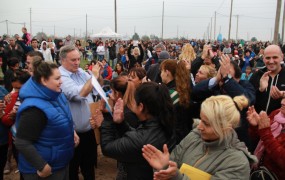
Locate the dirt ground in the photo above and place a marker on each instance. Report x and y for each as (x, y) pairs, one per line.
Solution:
(106, 169)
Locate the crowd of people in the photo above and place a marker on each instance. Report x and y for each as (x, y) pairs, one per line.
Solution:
(217, 107)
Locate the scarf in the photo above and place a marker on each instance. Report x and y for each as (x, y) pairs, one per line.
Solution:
(276, 127)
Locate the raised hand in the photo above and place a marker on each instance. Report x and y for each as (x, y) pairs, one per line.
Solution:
(118, 115)
(264, 121)
(156, 159)
(275, 93)
(205, 52)
(96, 69)
(263, 83)
(168, 173)
(8, 98)
(225, 63)
(252, 116)
(98, 118)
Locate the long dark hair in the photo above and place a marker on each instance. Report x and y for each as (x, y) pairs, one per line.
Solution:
(157, 102)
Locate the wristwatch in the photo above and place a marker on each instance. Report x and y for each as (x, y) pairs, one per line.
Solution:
(227, 78)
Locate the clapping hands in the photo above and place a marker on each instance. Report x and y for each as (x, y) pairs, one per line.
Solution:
(261, 120)
(159, 161)
(118, 115)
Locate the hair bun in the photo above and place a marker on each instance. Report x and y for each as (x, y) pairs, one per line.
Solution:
(241, 102)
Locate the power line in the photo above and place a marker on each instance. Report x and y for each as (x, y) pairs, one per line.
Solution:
(220, 5)
(255, 17)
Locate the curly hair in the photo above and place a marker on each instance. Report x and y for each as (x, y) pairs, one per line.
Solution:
(187, 53)
(182, 79)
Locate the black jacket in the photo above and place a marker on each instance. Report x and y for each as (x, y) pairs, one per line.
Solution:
(132, 58)
(184, 121)
(128, 148)
(112, 52)
(262, 98)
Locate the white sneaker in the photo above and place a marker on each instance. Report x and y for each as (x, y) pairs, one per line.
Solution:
(7, 168)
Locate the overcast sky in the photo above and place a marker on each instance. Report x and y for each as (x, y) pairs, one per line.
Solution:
(189, 17)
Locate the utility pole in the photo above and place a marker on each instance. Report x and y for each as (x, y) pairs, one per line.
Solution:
(215, 25)
(230, 24)
(31, 22)
(277, 20)
(86, 29)
(208, 31)
(115, 16)
(211, 29)
(237, 29)
(283, 23)
(162, 20)
(7, 26)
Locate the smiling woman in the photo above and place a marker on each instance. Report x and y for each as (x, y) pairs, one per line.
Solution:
(45, 137)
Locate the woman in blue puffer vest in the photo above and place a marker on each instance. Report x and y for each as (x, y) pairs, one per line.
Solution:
(45, 136)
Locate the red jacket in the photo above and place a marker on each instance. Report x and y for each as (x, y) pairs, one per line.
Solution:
(274, 157)
(9, 107)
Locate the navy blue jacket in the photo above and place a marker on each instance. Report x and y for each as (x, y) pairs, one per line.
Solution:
(56, 143)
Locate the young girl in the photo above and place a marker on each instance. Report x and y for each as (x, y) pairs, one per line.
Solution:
(177, 79)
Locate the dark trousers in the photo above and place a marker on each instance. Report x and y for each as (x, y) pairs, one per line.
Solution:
(58, 175)
(3, 158)
(16, 155)
(85, 157)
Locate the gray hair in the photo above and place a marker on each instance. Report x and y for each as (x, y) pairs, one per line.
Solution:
(161, 46)
(66, 49)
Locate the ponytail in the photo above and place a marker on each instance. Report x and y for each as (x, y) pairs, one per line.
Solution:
(157, 102)
(182, 80)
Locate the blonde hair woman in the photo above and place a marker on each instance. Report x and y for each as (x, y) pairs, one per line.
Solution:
(212, 147)
(205, 72)
(135, 55)
(187, 53)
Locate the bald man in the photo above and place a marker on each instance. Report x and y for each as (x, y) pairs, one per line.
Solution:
(269, 82)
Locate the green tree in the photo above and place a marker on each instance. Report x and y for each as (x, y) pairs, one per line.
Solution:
(154, 37)
(136, 36)
(145, 38)
(253, 39)
(41, 35)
